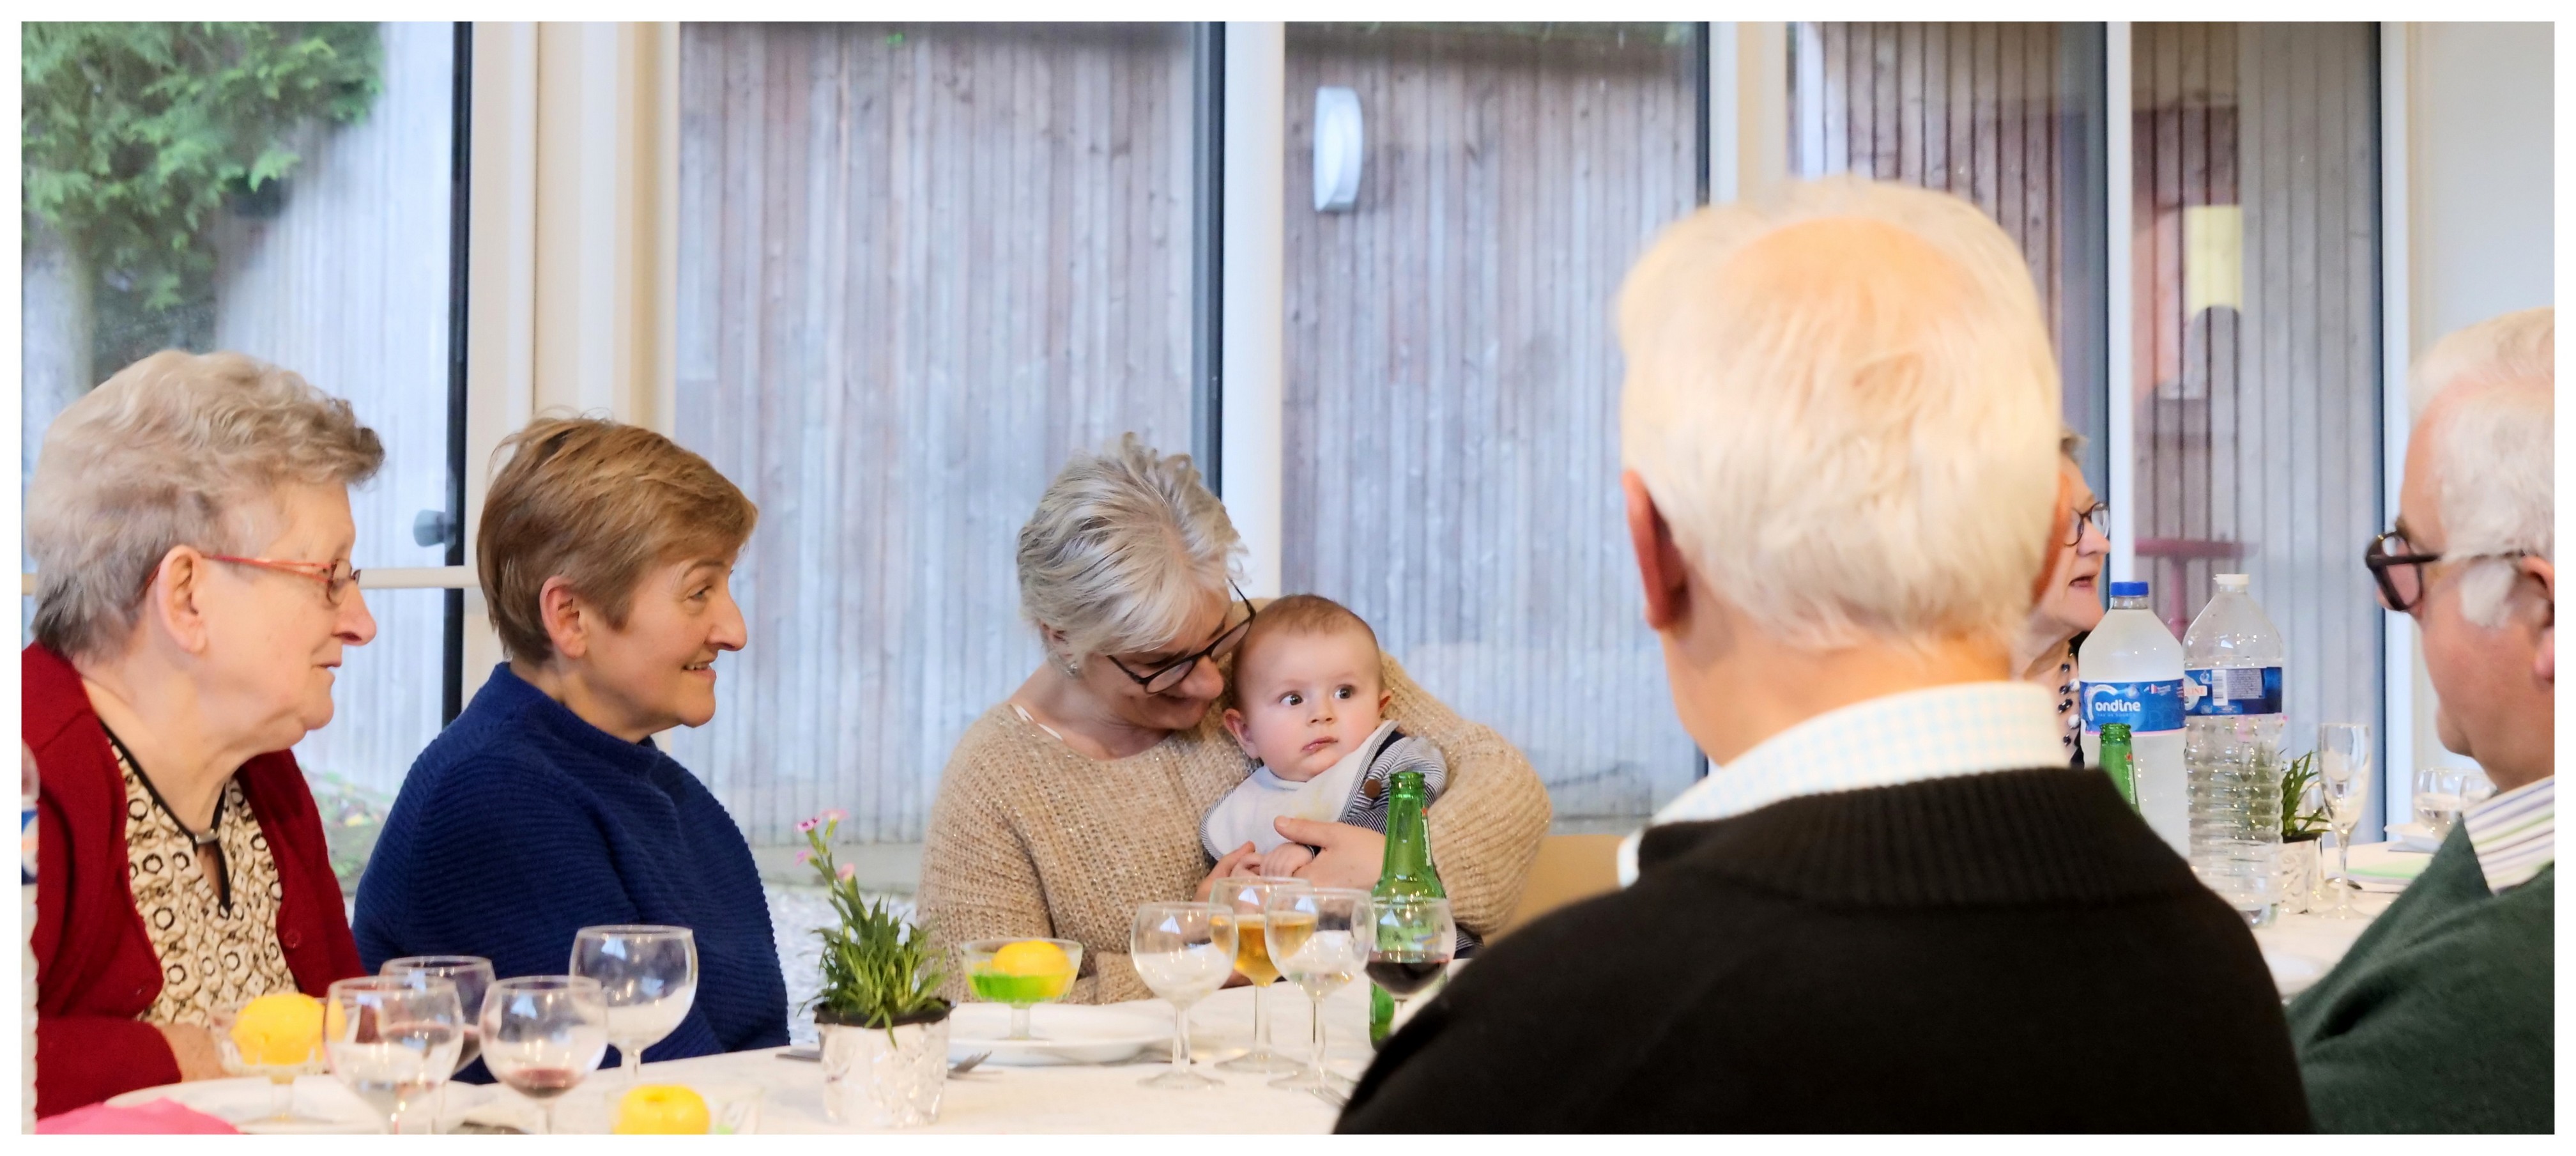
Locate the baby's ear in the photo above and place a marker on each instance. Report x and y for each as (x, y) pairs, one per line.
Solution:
(1242, 737)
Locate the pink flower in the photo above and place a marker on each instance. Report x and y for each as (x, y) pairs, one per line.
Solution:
(835, 814)
(804, 856)
(808, 825)
(848, 870)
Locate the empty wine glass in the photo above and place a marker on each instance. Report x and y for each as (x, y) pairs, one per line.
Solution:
(393, 1040)
(648, 975)
(1183, 951)
(543, 1034)
(1320, 939)
(472, 975)
(2343, 766)
(1416, 936)
(1252, 958)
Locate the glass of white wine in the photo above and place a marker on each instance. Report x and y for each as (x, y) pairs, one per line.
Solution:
(1252, 961)
(1320, 939)
(2343, 766)
(1183, 951)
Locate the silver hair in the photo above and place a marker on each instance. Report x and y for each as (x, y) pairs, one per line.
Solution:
(2493, 449)
(1124, 545)
(176, 449)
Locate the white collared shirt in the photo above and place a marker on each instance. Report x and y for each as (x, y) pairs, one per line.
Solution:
(2515, 834)
(1965, 729)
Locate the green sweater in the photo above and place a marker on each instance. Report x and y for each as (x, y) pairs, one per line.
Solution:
(2440, 1017)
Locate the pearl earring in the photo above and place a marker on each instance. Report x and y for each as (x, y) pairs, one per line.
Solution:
(1070, 668)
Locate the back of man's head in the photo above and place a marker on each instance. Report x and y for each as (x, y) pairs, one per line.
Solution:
(1846, 408)
(2486, 395)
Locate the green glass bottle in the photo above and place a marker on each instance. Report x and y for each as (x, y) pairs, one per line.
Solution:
(2115, 761)
(1408, 871)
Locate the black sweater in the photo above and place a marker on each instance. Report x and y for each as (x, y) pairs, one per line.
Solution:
(2005, 952)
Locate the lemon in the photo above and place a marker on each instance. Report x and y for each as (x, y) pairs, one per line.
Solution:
(1032, 957)
(279, 1029)
(661, 1109)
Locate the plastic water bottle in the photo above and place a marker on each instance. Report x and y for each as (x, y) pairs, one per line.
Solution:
(2131, 669)
(2232, 747)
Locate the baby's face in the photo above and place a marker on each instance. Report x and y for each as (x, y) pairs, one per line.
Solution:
(1304, 701)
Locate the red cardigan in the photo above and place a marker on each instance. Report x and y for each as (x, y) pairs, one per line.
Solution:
(93, 983)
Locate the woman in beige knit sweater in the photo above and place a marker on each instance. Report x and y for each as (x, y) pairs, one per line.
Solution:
(1079, 797)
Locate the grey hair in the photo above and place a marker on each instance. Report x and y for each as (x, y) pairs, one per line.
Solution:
(170, 452)
(2069, 442)
(2493, 449)
(1124, 545)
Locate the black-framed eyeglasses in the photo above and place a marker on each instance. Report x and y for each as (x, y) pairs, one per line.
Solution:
(2400, 569)
(2098, 515)
(1171, 674)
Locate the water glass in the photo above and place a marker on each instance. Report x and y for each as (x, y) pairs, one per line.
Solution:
(1416, 936)
(1252, 961)
(648, 974)
(472, 975)
(1183, 951)
(544, 1034)
(2438, 792)
(2343, 766)
(1321, 939)
(393, 1040)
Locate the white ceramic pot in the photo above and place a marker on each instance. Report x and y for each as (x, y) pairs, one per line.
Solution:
(885, 1077)
(2302, 873)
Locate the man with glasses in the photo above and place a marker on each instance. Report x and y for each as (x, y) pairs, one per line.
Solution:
(2439, 1019)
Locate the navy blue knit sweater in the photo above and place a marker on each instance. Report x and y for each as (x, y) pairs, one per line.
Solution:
(522, 824)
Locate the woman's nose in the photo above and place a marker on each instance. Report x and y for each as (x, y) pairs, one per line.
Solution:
(357, 626)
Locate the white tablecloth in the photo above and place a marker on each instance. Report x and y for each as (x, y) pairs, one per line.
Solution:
(2301, 949)
(1102, 1098)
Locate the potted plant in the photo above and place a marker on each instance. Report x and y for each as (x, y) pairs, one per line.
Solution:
(884, 1028)
(2303, 826)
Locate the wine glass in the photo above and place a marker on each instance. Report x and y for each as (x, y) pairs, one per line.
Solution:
(543, 1034)
(1320, 938)
(1004, 971)
(2343, 766)
(280, 1041)
(1252, 958)
(1183, 951)
(649, 976)
(472, 975)
(393, 1040)
(1416, 935)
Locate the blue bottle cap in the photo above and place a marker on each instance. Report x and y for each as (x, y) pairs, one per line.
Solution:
(2128, 590)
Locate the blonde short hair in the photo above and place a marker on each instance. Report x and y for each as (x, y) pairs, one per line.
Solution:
(598, 503)
(2494, 449)
(175, 450)
(1124, 545)
(1846, 408)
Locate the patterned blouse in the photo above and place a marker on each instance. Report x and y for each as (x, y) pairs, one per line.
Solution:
(209, 902)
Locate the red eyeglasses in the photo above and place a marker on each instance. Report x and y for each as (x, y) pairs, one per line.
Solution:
(336, 577)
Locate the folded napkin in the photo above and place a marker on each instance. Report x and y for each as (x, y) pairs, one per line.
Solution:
(2414, 837)
(156, 1117)
(2385, 867)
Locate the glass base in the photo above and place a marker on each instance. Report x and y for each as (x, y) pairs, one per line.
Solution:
(1316, 1079)
(1261, 1061)
(1181, 1081)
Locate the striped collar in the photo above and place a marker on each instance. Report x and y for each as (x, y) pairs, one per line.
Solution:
(2515, 834)
(1899, 738)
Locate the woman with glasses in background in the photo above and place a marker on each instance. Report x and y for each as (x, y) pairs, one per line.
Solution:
(189, 520)
(1078, 797)
(2069, 604)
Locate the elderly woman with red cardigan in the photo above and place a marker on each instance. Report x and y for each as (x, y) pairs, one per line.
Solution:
(190, 524)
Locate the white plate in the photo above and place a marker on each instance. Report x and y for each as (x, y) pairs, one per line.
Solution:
(329, 1107)
(1066, 1034)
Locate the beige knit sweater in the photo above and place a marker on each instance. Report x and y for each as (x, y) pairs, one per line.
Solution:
(1031, 838)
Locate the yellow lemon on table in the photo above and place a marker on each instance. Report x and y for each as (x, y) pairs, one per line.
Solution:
(278, 1030)
(1032, 957)
(661, 1109)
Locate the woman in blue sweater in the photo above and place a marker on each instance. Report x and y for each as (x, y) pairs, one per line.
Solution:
(545, 807)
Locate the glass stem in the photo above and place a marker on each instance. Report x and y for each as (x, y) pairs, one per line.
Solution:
(1180, 1038)
(1260, 1020)
(1318, 1002)
(1019, 1021)
(632, 1060)
(281, 1099)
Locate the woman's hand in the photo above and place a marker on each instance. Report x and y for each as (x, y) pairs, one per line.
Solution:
(1224, 867)
(194, 1049)
(1345, 856)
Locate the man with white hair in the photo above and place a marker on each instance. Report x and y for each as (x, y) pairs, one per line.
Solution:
(2439, 1018)
(1893, 907)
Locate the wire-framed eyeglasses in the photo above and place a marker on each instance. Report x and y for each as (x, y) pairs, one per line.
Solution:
(1164, 678)
(336, 577)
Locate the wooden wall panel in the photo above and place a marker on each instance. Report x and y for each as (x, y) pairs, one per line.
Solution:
(919, 266)
(1453, 376)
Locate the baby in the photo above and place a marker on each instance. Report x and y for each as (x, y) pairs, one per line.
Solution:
(1308, 704)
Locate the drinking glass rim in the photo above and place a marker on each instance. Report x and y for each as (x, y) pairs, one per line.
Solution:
(606, 929)
(386, 983)
(418, 963)
(546, 983)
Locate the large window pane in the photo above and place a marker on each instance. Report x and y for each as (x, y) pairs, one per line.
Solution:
(2008, 116)
(1452, 386)
(338, 269)
(2257, 355)
(919, 266)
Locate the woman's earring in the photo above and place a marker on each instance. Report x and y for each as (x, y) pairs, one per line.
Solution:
(1070, 668)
